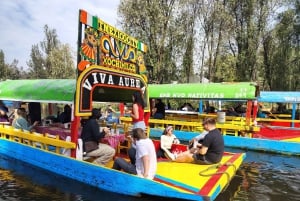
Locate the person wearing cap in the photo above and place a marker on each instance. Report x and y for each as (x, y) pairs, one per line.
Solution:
(3, 114)
(166, 141)
(91, 137)
(210, 151)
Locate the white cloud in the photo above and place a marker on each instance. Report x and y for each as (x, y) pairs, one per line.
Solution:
(22, 23)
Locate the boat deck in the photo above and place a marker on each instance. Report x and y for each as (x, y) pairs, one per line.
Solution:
(204, 180)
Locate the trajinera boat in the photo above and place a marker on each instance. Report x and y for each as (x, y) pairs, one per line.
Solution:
(110, 68)
(246, 131)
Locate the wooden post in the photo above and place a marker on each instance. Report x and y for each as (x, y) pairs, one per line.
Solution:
(248, 112)
(74, 133)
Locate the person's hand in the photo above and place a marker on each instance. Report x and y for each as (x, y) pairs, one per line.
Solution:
(35, 123)
(106, 130)
(127, 111)
(192, 140)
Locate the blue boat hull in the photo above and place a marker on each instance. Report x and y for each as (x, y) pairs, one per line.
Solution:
(100, 177)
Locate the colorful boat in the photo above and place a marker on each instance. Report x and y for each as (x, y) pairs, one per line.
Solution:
(240, 132)
(109, 76)
(176, 180)
(280, 126)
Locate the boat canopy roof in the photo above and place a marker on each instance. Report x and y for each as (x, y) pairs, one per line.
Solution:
(279, 96)
(38, 90)
(212, 91)
(56, 91)
(63, 91)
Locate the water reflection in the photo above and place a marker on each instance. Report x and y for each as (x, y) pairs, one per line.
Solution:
(262, 176)
(20, 181)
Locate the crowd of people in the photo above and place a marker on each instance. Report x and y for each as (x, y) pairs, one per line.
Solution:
(208, 147)
(27, 116)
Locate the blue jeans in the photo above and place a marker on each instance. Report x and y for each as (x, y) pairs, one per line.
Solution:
(122, 164)
(158, 116)
(139, 124)
(129, 167)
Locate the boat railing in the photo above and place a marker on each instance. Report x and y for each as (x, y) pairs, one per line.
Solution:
(289, 123)
(43, 141)
(234, 127)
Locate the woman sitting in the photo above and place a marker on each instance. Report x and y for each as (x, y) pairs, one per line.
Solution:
(20, 121)
(166, 141)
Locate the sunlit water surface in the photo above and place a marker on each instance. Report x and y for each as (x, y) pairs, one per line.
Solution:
(262, 177)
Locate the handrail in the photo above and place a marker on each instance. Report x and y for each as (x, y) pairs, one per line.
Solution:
(197, 126)
(43, 141)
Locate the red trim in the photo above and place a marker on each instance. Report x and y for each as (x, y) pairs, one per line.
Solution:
(209, 184)
(174, 185)
(74, 133)
(83, 16)
(214, 179)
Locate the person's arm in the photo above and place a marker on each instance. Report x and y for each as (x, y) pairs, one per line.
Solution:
(33, 125)
(163, 143)
(154, 110)
(96, 133)
(200, 136)
(23, 124)
(202, 150)
(112, 110)
(146, 164)
(176, 140)
(135, 111)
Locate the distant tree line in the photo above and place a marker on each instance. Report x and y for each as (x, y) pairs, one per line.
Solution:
(48, 59)
(220, 40)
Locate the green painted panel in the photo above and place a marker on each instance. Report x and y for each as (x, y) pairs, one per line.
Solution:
(39, 90)
(240, 91)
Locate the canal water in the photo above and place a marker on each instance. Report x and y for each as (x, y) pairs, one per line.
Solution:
(262, 177)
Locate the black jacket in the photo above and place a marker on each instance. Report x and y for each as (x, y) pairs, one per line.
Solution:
(91, 132)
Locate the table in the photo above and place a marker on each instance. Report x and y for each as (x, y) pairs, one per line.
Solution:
(114, 140)
(62, 132)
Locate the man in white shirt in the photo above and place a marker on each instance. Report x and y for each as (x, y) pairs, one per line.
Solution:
(145, 164)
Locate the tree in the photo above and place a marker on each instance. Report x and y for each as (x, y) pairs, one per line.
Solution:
(160, 26)
(61, 63)
(233, 40)
(51, 59)
(10, 71)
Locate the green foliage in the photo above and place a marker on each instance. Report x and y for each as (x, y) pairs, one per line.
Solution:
(234, 40)
(51, 59)
(48, 59)
(10, 71)
(166, 28)
(282, 54)
(225, 70)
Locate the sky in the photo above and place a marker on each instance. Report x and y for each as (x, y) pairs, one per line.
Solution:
(22, 23)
